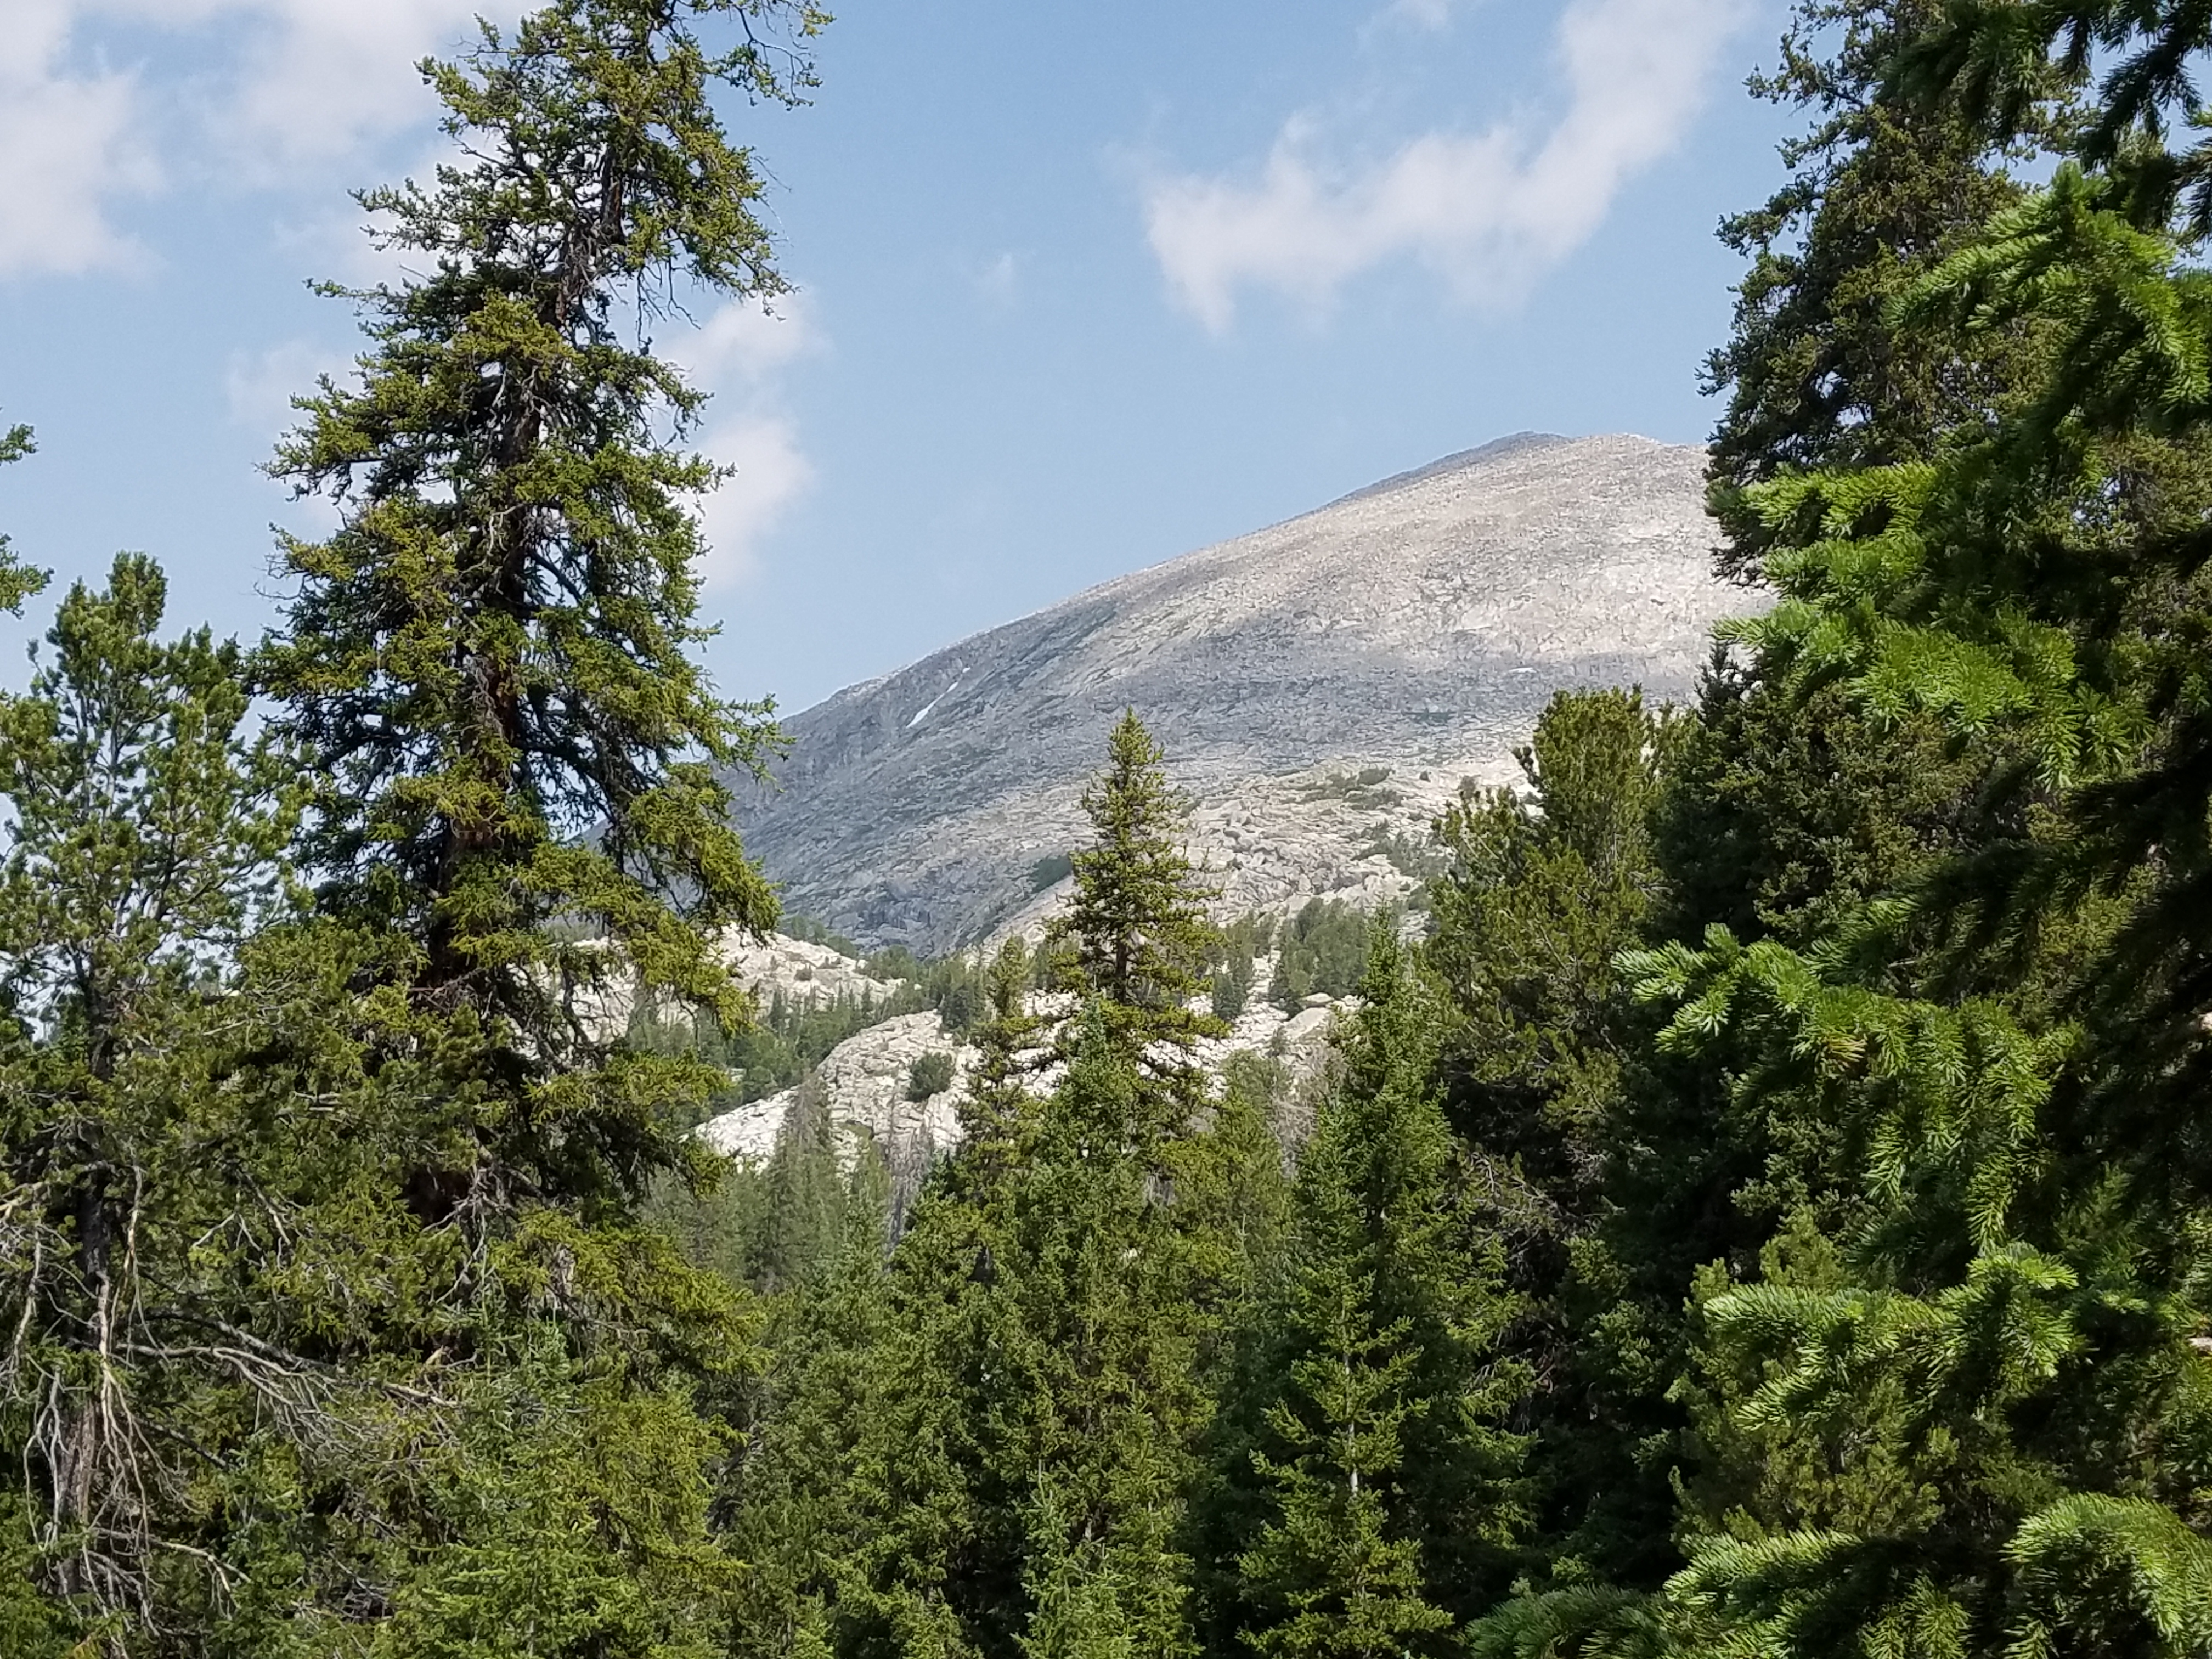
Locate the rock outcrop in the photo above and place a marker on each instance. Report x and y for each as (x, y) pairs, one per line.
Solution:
(1419, 625)
(864, 1081)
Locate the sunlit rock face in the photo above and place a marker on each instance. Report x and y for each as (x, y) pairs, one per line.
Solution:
(1419, 625)
(866, 1082)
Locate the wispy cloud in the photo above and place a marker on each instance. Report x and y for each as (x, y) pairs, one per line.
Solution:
(768, 473)
(1430, 15)
(259, 385)
(87, 124)
(1488, 211)
(68, 144)
(998, 278)
(744, 343)
(740, 353)
(316, 80)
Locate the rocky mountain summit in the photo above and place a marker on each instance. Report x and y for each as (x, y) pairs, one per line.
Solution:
(1321, 689)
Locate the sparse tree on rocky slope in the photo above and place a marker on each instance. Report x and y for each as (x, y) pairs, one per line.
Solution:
(1137, 926)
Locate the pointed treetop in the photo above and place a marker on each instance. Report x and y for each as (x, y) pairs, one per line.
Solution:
(1138, 921)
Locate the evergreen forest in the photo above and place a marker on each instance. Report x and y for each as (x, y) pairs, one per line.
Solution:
(1759, 1205)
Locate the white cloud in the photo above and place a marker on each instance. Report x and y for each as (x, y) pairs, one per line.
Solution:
(743, 345)
(68, 144)
(770, 473)
(320, 78)
(295, 85)
(997, 279)
(1488, 212)
(260, 386)
(740, 353)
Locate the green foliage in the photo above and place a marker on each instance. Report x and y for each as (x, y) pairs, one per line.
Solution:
(806, 929)
(145, 841)
(575, 1521)
(18, 581)
(804, 1221)
(795, 1033)
(1420, 859)
(1232, 1183)
(790, 1495)
(717, 1218)
(1364, 788)
(1017, 1484)
(1321, 950)
(1539, 1068)
(1389, 1477)
(932, 1074)
(1542, 892)
(1135, 939)
(1931, 1414)
(491, 652)
(1055, 1303)
(1770, 1213)
(1818, 369)
(1137, 922)
(956, 987)
(336, 1326)
(1232, 957)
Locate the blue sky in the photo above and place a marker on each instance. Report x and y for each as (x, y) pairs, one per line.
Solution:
(1079, 288)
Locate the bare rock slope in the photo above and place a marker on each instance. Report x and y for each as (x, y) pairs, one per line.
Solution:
(1418, 625)
(865, 1079)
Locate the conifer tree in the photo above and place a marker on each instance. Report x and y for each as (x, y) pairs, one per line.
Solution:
(1393, 1501)
(793, 1514)
(1137, 923)
(1542, 892)
(1542, 1076)
(1881, 187)
(146, 838)
(491, 654)
(934, 1561)
(1021, 1489)
(805, 1219)
(994, 1110)
(1232, 1194)
(1020, 1485)
(491, 662)
(1107, 1362)
(2011, 1326)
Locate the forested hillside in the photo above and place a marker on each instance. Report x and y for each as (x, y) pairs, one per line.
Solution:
(1760, 1205)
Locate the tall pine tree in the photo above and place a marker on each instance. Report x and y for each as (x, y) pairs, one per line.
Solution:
(492, 661)
(1021, 1488)
(1391, 1492)
(492, 654)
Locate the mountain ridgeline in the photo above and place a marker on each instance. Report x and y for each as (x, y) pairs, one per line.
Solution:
(1419, 624)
